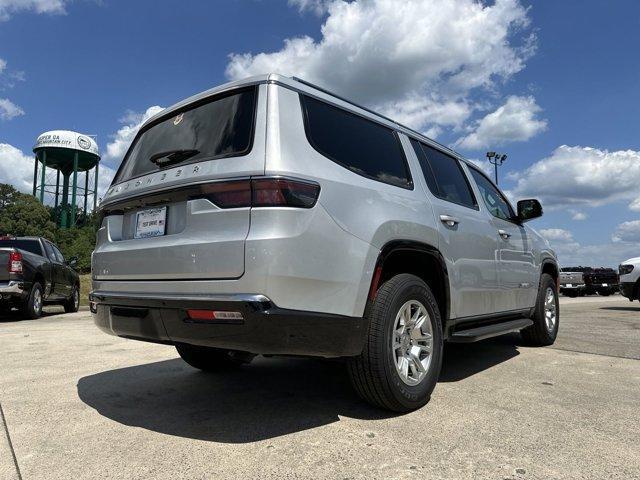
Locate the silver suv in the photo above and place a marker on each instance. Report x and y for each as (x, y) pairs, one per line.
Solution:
(269, 216)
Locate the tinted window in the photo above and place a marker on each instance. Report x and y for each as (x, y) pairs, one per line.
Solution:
(50, 253)
(220, 128)
(59, 256)
(444, 175)
(32, 246)
(362, 146)
(493, 199)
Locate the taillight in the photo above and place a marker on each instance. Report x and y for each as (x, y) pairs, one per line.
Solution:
(229, 194)
(283, 192)
(263, 192)
(15, 262)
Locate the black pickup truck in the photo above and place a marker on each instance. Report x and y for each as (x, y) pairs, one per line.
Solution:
(33, 273)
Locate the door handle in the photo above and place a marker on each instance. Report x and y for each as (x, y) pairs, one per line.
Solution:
(504, 234)
(449, 221)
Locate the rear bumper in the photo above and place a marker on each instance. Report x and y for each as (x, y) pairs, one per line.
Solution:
(12, 290)
(627, 289)
(264, 328)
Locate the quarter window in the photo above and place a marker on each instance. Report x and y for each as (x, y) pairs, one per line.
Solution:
(493, 199)
(364, 147)
(444, 175)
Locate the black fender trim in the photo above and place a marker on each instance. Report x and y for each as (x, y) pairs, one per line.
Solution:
(413, 246)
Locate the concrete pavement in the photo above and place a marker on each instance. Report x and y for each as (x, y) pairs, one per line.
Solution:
(81, 404)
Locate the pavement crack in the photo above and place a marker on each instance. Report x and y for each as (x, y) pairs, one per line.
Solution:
(13, 452)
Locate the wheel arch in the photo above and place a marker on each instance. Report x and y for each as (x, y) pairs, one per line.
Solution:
(550, 267)
(420, 259)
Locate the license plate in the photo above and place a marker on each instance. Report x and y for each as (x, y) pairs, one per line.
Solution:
(569, 285)
(151, 223)
(605, 284)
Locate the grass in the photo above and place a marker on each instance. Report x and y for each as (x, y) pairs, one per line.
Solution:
(85, 288)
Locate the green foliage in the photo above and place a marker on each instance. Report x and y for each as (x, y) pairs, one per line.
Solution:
(7, 195)
(77, 242)
(23, 215)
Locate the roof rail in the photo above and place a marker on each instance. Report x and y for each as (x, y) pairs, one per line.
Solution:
(351, 102)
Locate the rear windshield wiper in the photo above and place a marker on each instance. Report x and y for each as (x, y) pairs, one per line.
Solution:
(163, 159)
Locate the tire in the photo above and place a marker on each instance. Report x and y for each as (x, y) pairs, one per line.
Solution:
(375, 374)
(211, 359)
(32, 307)
(604, 293)
(72, 304)
(544, 329)
(570, 294)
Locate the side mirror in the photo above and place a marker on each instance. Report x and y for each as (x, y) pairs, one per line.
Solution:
(73, 262)
(529, 209)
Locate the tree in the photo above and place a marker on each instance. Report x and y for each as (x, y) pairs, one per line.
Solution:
(7, 195)
(78, 242)
(23, 215)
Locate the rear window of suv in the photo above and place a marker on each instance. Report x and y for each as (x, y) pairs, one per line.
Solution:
(221, 127)
(364, 147)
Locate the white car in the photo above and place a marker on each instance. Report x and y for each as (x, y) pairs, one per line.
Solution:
(629, 272)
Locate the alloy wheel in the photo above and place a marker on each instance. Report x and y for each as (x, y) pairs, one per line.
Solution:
(412, 342)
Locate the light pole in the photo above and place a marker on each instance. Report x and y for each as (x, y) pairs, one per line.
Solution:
(496, 159)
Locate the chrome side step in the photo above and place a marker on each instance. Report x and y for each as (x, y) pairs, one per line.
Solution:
(488, 331)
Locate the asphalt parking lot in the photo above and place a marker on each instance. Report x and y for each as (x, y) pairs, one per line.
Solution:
(77, 403)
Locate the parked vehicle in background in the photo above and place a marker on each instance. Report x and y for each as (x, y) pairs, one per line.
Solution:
(33, 273)
(629, 272)
(571, 283)
(578, 281)
(269, 216)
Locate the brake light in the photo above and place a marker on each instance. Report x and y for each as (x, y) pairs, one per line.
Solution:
(263, 192)
(15, 262)
(229, 194)
(274, 192)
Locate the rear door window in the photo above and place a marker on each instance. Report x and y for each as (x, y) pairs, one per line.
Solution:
(444, 175)
(222, 127)
(364, 147)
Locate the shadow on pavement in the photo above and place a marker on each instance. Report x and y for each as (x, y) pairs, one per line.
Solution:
(623, 309)
(16, 316)
(269, 398)
(464, 360)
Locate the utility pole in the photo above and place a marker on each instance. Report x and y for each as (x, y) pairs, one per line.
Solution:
(496, 159)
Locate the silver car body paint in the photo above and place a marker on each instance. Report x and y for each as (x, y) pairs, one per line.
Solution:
(320, 259)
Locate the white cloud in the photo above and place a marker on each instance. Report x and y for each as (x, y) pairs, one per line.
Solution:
(557, 234)
(16, 168)
(515, 121)
(121, 140)
(577, 215)
(580, 176)
(9, 110)
(3, 65)
(9, 7)
(418, 61)
(627, 232)
(319, 7)
(573, 253)
(635, 205)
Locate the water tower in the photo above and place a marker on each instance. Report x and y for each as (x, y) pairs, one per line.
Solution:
(67, 154)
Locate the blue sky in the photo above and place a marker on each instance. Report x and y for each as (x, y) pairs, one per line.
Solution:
(553, 84)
